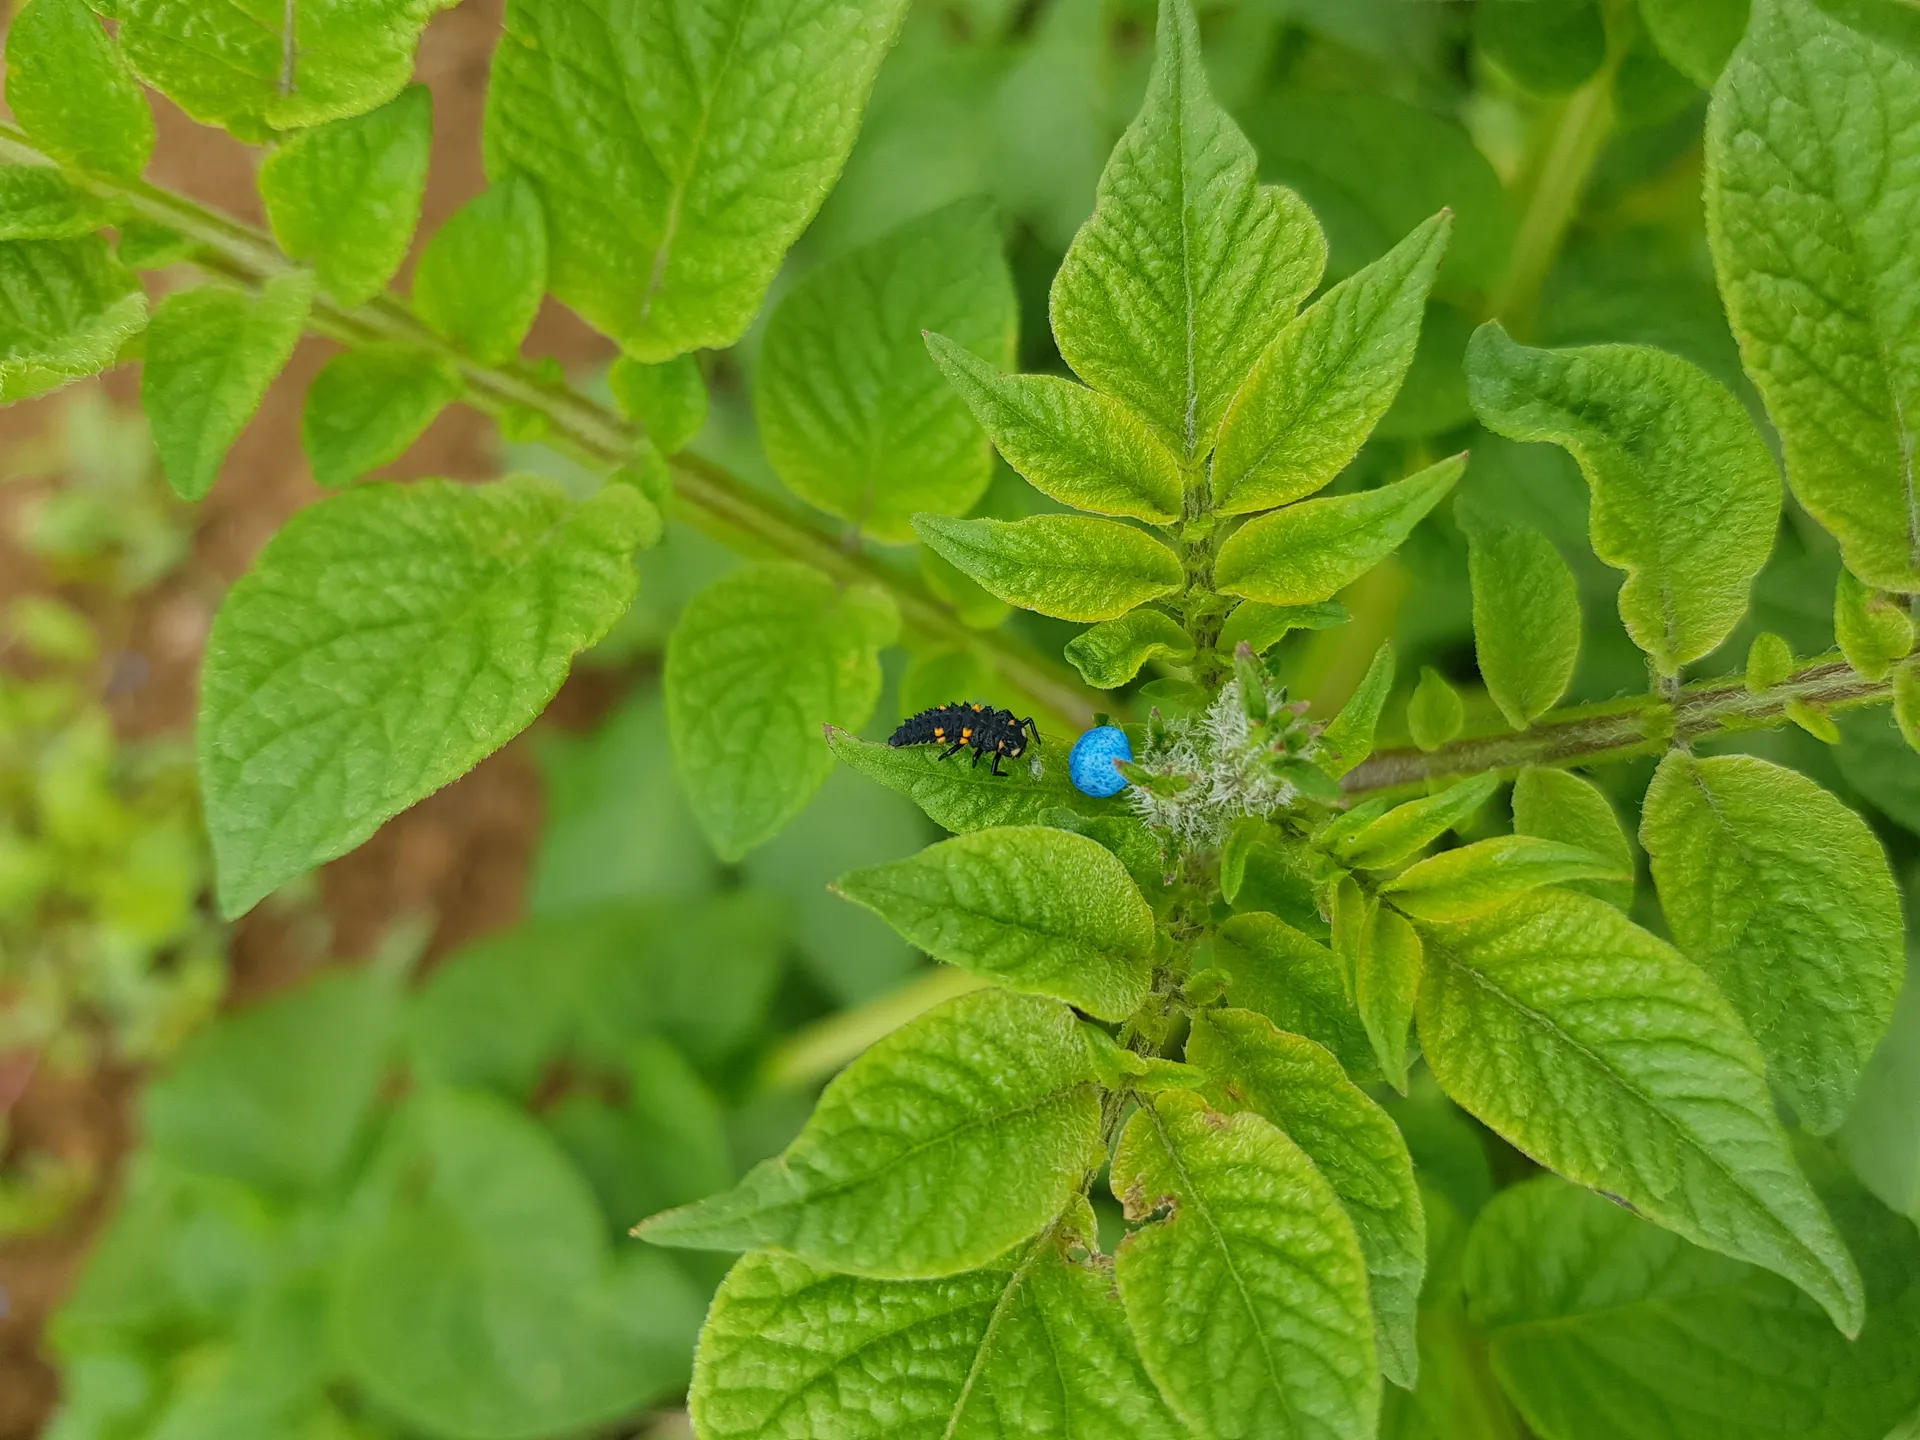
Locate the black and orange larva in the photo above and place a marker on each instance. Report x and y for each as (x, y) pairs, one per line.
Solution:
(961, 726)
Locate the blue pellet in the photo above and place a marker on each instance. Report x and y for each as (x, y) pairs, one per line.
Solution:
(1091, 763)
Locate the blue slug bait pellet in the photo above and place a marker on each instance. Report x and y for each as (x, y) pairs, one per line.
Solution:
(1091, 763)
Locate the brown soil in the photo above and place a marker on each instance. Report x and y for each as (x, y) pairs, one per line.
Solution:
(460, 857)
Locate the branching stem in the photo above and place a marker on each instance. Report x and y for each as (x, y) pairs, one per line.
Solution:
(706, 495)
(1624, 729)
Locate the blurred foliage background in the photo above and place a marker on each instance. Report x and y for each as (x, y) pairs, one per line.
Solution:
(391, 1199)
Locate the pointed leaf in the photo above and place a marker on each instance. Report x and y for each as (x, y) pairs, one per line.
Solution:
(959, 1135)
(1783, 895)
(1396, 835)
(678, 150)
(1188, 267)
(1322, 386)
(1813, 188)
(238, 65)
(760, 660)
(1478, 879)
(1526, 617)
(481, 276)
(961, 798)
(1386, 976)
(1658, 1095)
(347, 195)
(1261, 627)
(1685, 496)
(366, 406)
(1074, 444)
(1111, 653)
(1601, 1324)
(66, 308)
(211, 354)
(385, 641)
(1559, 805)
(854, 416)
(1068, 566)
(1249, 1297)
(1033, 1350)
(1348, 738)
(1435, 711)
(1696, 37)
(72, 93)
(1033, 908)
(1311, 551)
(1352, 1141)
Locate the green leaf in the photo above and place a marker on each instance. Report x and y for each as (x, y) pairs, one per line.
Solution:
(386, 640)
(1685, 496)
(366, 406)
(959, 797)
(1435, 712)
(72, 93)
(66, 309)
(1906, 704)
(346, 195)
(1320, 388)
(1813, 142)
(1351, 1141)
(671, 191)
(761, 659)
(1601, 1324)
(1111, 653)
(1696, 36)
(1294, 981)
(669, 399)
(1872, 631)
(1477, 879)
(481, 276)
(959, 1135)
(37, 202)
(234, 63)
(1394, 837)
(1769, 661)
(1386, 976)
(1558, 805)
(1783, 895)
(275, 1094)
(1311, 551)
(1348, 738)
(1261, 627)
(1881, 1138)
(1248, 1293)
(1034, 1347)
(1659, 1096)
(1526, 616)
(472, 1210)
(1074, 444)
(1188, 267)
(1072, 567)
(212, 351)
(1035, 909)
(854, 416)
(1550, 46)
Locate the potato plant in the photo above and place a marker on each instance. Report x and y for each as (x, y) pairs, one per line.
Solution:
(1177, 1163)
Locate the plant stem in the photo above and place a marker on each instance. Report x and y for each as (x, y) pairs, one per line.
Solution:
(1624, 729)
(820, 1050)
(1558, 178)
(706, 496)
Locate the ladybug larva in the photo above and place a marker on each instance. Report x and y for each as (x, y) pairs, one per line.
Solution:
(962, 726)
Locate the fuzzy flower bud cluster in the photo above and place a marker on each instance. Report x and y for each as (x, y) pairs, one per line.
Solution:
(1250, 752)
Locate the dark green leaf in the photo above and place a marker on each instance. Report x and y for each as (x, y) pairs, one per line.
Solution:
(1526, 617)
(1294, 981)
(366, 407)
(66, 309)
(1111, 653)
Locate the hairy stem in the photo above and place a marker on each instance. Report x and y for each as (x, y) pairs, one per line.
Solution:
(1624, 729)
(705, 495)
